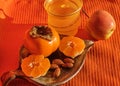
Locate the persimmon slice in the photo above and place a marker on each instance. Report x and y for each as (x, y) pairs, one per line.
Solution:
(72, 46)
(35, 65)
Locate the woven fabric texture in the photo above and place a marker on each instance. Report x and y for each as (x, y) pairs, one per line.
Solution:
(102, 64)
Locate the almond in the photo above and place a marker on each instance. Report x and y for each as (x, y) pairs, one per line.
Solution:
(59, 62)
(67, 65)
(68, 60)
(54, 66)
(57, 72)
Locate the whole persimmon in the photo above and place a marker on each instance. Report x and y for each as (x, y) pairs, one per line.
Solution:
(41, 40)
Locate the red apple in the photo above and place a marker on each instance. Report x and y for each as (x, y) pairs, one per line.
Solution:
(101, 25)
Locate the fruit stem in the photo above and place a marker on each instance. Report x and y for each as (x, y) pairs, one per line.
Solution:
(85, 13)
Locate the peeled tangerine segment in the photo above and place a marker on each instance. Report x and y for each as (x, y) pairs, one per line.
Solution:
(35, 65)
(72, 46)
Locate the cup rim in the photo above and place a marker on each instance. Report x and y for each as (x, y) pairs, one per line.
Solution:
(45, 2)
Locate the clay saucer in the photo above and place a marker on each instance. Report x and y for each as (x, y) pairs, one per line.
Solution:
(66, 73)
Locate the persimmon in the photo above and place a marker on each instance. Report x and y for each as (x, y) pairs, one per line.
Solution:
(72, 46)
(35, 65)
(41, 40)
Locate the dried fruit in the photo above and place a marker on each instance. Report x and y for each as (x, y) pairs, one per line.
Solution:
(35, 65)
(24, 52)
(54, 66)
(57, 72)
(72, 46)
(67, 65)
(68, 60)
(58, 62)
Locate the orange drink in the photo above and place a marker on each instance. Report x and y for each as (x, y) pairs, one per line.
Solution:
(64, 15)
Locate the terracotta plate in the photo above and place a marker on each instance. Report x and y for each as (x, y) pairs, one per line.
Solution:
(48, 79)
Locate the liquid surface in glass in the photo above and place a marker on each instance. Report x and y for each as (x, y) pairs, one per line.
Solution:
(64, 16)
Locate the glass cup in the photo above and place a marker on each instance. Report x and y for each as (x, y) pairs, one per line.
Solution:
(64, 15)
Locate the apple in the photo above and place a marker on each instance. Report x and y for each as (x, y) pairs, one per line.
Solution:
(101, 25)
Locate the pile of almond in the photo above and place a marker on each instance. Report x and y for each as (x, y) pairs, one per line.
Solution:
(58, 64)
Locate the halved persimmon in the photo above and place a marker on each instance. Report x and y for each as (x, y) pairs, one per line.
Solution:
(72, 46)
(41, 40)
(35, 65)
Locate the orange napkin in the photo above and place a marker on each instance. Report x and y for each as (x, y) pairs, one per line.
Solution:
(102, 64)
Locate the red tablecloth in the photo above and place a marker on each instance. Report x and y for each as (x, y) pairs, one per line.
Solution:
(102, 64)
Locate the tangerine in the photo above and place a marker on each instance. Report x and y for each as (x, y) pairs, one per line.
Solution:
(71, 46)
(35, 65)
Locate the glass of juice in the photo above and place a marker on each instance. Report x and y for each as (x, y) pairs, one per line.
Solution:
(64, 15)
